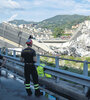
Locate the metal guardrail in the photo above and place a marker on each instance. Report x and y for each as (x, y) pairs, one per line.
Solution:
(83, 79)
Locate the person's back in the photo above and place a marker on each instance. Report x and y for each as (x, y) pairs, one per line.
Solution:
(28, 54)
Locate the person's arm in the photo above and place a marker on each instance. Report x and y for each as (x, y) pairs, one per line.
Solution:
(4, 61)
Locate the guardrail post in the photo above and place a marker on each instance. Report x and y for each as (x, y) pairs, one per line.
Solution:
(6, 74)
(57, 66)
(85, 72)
(14, 53)
(6, 51)
(14, 77)
(0, 68)
(0, 50)
(38, 59)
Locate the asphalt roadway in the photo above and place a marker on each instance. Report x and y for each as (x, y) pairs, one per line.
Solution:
(14, 90)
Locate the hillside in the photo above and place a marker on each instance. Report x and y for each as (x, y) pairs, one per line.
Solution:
(62, 21)
(18, 22)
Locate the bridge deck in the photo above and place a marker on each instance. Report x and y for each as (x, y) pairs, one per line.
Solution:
(13, 90)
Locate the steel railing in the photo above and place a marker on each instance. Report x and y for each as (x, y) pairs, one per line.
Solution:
(82, 79)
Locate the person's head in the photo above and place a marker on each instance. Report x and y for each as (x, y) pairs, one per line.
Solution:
(29, 42)
(30, 37)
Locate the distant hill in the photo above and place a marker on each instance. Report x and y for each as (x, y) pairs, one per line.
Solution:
(62, 21)
(18, 22)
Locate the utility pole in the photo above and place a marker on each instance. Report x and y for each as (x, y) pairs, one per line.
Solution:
(20, 36)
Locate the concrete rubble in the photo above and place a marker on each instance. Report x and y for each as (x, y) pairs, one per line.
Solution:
(79, 44)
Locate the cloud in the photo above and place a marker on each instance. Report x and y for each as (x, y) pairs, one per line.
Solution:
(88, 0)
(9, 4)
(37, 3)
(38, 10)
(12, 17)
(13, 4)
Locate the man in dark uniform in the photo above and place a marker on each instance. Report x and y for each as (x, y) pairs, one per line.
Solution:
(4, 61)
(28, 56)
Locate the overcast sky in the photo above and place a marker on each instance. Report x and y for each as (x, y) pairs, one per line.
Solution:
(38, 10)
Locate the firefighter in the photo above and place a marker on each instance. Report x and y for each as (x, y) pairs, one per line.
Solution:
(28, 56)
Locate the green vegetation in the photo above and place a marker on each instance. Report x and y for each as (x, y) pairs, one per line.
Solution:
(58, 32)
(71, 66)
(63, 21)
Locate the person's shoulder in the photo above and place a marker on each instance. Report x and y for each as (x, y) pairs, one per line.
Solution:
(33, 50)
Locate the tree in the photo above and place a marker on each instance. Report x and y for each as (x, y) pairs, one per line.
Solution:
(58, 32)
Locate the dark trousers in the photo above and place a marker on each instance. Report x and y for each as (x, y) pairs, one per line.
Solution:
(30, 70)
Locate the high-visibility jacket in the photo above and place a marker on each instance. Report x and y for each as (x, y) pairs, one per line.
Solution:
(41, 73)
